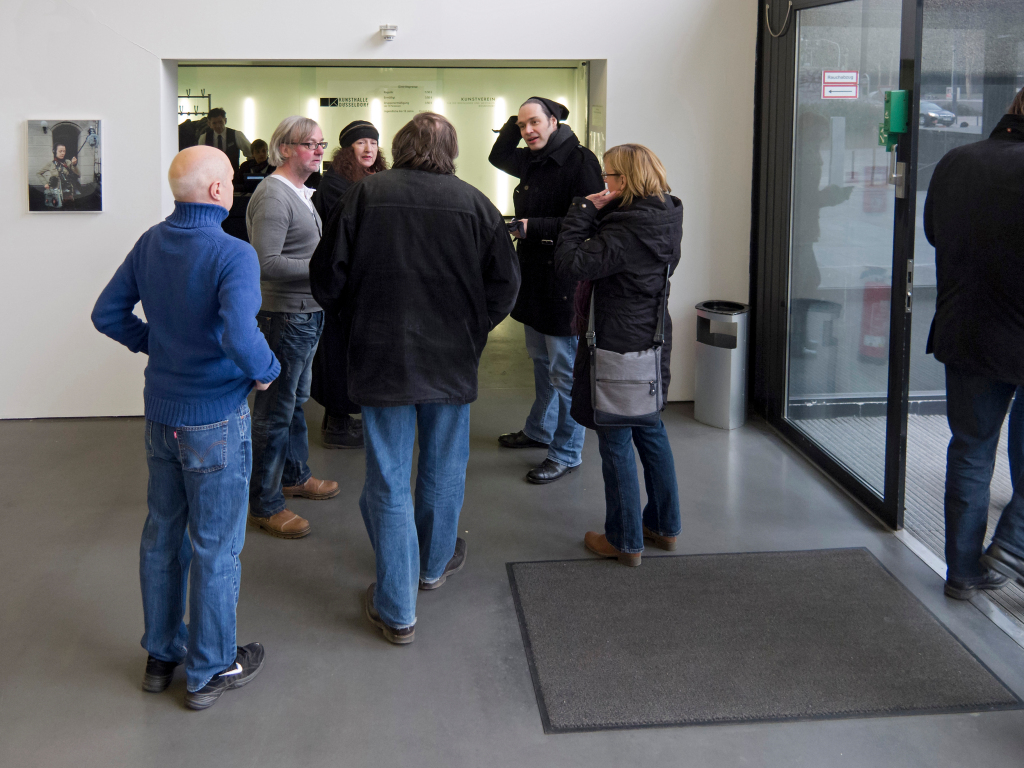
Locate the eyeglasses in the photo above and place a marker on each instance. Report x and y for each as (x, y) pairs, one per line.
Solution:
(606, 175)
(310, 145)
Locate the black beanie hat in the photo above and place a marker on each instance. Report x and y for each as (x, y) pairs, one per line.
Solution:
(559, 111)
(356, 130)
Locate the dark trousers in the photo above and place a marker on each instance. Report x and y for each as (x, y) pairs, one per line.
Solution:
(976, 407)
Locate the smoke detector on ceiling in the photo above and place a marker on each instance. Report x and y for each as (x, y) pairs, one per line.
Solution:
(388, 31)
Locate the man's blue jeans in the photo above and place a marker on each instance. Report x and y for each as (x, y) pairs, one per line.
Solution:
(975, 408)
(624, 521)
(412, 540)
(280, 446)
(199, 486)
(549, 420)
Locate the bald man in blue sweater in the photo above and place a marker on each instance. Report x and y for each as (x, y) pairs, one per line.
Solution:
(200, 290)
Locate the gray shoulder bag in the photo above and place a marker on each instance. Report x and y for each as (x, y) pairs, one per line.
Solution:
(625, 389)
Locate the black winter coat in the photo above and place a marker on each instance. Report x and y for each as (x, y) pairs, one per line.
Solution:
(329, 386)
(422, 265)
(624, 251)
(548, 182)
(974, 216)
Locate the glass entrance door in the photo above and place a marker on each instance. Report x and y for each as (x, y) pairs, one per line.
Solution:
(841, 233)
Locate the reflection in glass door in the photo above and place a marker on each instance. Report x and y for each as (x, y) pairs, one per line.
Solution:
(841, 233)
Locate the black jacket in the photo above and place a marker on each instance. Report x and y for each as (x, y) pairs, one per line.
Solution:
(974, 216)
(422, 265)
(548, 182)
(624, 251)
(330, 190)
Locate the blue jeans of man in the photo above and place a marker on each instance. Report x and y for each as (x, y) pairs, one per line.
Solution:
(549, 420)
(976, 407)
(623, 524)
(198, 489)
(413, 540)
(280, 445)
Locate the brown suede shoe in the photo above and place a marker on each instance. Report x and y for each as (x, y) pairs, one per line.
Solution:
(312, 489)
(598, 544)
(668, 543)
(402, 636)
(285, 524)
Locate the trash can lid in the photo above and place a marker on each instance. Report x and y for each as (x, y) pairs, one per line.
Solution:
(723, 307)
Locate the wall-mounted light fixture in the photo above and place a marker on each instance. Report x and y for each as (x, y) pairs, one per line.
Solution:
(388, 31)
(44, 125)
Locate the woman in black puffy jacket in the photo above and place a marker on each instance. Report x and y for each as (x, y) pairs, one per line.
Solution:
(622, 243)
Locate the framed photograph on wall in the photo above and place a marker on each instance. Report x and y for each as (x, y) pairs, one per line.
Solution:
(64, 166)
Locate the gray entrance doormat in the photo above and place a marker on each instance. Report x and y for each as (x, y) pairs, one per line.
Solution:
(771, 636)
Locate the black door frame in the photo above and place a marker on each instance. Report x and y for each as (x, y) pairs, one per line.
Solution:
(775, 85)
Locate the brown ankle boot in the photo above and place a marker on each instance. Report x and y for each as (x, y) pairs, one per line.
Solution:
(312, 489)
(285, 524)
(598, 544)
(668, 543)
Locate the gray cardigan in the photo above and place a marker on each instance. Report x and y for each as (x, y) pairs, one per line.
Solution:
(284, 232)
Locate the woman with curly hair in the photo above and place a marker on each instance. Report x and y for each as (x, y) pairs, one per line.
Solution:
(357, 158)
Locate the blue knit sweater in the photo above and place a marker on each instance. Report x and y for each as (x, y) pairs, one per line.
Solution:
(200, 291)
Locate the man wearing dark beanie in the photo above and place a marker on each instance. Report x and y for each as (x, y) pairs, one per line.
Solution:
(552, 169)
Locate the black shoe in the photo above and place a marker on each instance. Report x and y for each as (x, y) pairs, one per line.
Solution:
(391, 634)
(1006, 563)
(248, 663)
(158, 675)
(961, 591)
(343, 432)
(547, 472)
(454, 566)
(519, 440)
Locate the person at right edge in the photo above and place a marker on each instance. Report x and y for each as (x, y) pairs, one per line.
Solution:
(622, 241)
(974, 216)
(552, 169)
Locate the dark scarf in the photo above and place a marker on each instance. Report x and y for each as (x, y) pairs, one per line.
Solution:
(557, 138)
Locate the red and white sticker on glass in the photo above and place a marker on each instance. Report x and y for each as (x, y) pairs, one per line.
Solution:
(840, 84)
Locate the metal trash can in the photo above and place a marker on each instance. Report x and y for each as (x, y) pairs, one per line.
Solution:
(720, 399)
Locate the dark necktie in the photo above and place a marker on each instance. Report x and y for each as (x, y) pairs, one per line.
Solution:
(220, 142)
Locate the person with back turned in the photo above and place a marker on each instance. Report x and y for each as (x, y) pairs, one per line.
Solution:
(974, 216)
(422, 265)
(200, 291)
(552, 169)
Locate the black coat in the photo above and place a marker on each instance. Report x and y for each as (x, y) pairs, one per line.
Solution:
(329, 386)
(624, 251)
(974, 216)
(548, 182)
(423, 266)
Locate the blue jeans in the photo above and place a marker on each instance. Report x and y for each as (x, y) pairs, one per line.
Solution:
(198, 485)
(975, 408)
(412, 541)
(623, 524)
(549, 420)
(280, 447)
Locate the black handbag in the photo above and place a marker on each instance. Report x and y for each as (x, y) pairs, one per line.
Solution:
(625, 389)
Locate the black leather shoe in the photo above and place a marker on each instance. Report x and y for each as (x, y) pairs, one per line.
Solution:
(1006, 563)
(519, 440)
(547, 472)
(454, 566)
(158, 675)
(343, 432)
(961, 591)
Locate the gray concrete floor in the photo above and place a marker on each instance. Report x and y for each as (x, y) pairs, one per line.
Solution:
(333, 692)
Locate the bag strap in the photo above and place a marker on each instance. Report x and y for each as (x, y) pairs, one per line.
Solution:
(659, 332)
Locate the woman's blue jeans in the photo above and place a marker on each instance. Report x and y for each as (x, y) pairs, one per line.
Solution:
(624, 521)
(199, 486)
(280, 445)
(412, 540)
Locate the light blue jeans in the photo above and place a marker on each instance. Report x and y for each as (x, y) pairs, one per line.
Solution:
(198, 491)
(412, 540)
(549, 420)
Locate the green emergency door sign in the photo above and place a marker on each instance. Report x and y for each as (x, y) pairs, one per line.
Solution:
(895, 120)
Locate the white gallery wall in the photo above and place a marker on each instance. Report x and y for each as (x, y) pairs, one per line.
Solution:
(680, 79)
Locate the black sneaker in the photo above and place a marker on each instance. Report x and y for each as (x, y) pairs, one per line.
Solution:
(394, 635)
(248, 663)
(960, 591)
(158, 675)
(341, 432)
(454, 566)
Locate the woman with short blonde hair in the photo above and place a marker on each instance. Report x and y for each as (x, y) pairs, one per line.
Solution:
(622, 244)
